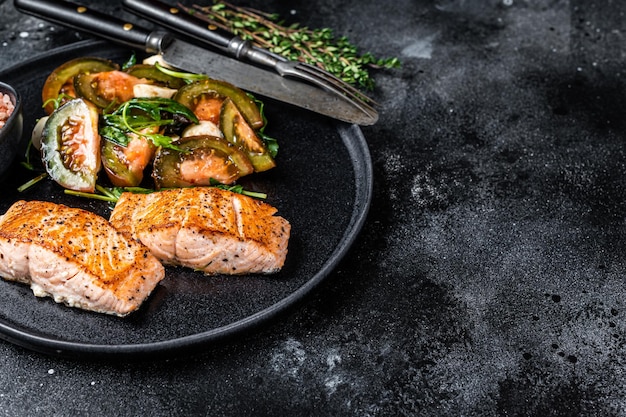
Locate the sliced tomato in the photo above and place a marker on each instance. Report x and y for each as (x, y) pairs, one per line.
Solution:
(152, 73)
(71, 145)
(107, 88)
(199, 160)
(61, 80)
(208, 107)
(191, 95)
(125, 165)
(238, 132)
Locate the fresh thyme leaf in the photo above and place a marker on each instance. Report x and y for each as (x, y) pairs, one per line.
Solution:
(298, 43)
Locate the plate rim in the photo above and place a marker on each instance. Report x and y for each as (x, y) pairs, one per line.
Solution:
(358, 150)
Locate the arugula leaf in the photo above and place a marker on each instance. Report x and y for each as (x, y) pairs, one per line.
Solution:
(114, 134)
(270, 143)
(132, 60)
(57, 101)
(163, 141)
(112, 194)
(142, 113)
(236, 188)
(154, 106)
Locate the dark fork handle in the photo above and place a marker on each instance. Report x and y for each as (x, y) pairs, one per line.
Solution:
(84, 19)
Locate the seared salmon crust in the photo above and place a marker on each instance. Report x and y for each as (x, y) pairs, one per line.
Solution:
(206, 228)
(76, 257)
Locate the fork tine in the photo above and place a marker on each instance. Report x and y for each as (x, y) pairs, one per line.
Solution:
(336, 87)
(314, 70)
(348, 95)
(336, 81)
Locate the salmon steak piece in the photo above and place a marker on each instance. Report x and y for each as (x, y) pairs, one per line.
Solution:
(206, 228)
(76, 257)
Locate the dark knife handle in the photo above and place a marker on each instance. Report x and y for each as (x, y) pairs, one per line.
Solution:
(87, 20)
(184, 23)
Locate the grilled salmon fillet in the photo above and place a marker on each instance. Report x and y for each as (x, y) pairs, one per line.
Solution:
(206, 228)
(75, 257)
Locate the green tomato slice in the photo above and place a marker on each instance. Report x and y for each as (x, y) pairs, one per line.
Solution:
(125, 165)
(238, 132)
(60, 81)
(152, 73)
(71, 145)
(199, 160)
(191, 94)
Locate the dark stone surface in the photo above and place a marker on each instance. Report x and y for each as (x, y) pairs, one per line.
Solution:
(489, 277)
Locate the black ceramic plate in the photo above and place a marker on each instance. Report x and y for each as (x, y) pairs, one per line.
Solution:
(322, 185)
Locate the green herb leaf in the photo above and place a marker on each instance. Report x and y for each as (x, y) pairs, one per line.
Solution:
(132, 60)
(32, 182)
(237, 189)
(314, 46)
(270, 143)
(187, 76)
(57, 101)
(139, 114)
(114, 134)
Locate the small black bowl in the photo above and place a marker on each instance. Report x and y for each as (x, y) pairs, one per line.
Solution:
(11, 132)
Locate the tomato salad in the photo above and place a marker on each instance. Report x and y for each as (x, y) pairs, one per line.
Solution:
(183, 129)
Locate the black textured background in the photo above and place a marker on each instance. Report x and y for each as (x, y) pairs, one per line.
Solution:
(489, 277)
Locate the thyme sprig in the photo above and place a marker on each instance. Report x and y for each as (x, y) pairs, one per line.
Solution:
(318, 47)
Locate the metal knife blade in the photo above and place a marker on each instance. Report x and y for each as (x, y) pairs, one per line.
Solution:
(191, 58)
(188, 24)
(183, 55)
